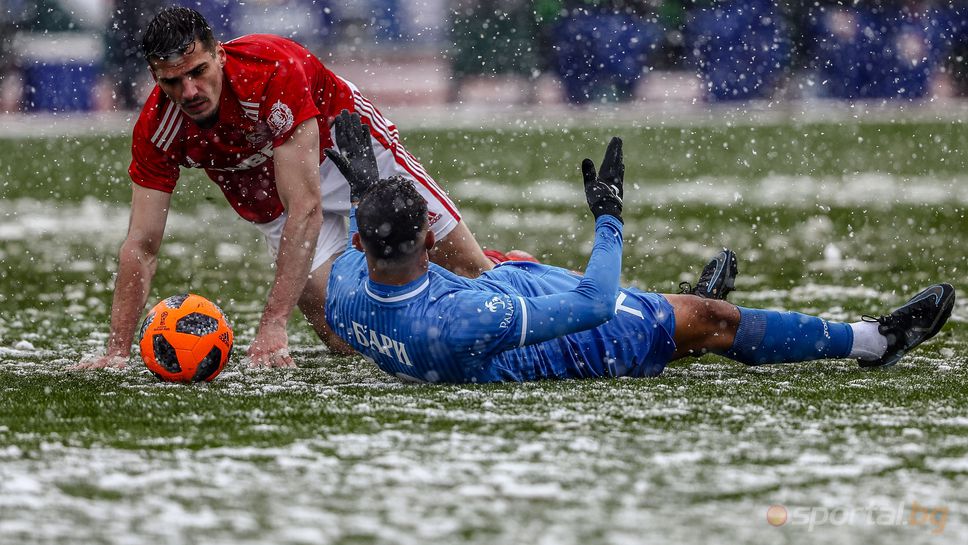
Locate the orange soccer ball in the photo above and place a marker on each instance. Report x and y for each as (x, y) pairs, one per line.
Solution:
(185, 338)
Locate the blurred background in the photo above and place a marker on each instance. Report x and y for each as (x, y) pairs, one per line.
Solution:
(82, 55)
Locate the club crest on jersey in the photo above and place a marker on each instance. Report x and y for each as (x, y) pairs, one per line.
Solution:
(495, 304)
(503, 304)
(280, 118)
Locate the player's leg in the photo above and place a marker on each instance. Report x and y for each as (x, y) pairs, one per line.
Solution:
(705, 325)
(456, 250)
(460, 253)
(702, 325)
(329, 245)
(755, 336)
(312, 303)
(497, 257)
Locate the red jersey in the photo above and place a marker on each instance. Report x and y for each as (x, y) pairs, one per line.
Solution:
(271, 85)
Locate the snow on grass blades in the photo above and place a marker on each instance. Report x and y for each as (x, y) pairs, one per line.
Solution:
(337, 452)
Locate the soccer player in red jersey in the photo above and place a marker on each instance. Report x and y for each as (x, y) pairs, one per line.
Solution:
(255, 114)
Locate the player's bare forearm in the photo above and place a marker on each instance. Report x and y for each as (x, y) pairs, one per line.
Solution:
(296, 251)
(136, 268)
(137, 262)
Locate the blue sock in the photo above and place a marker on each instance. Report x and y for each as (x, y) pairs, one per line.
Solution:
(769, 336)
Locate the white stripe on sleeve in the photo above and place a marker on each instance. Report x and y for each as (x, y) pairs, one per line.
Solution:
(169, 136)
(163, 126)
(174, 133)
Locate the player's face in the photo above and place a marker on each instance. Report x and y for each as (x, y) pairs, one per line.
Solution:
(193, 81)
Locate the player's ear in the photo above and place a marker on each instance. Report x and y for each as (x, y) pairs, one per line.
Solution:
(220, 54)
(357, 243)
(430, 240)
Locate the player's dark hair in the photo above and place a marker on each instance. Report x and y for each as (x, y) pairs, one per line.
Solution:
(173, 31)
(390, 217)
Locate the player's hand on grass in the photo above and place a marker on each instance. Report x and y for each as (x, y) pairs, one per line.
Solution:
(354, 159)
(104, 361)
(604, 191)
(270, 348)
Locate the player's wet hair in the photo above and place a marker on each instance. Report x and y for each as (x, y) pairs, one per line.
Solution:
(390, 217)
(173, 32)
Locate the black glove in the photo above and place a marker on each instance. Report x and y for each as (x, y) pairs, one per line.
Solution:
(604, 192)
(355, 159)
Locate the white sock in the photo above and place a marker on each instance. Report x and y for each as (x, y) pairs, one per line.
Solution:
(869, 344)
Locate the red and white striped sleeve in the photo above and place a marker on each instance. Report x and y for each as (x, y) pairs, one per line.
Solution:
(153, 161)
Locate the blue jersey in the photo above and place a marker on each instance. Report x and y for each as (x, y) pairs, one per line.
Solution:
(518, 322)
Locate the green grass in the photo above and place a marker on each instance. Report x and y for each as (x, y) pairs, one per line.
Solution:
(72, 169)
(337, 452)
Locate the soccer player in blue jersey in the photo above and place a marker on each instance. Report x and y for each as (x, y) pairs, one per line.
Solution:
(526, 321)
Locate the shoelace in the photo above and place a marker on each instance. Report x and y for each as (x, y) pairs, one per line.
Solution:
(685, 288)
(889, 320)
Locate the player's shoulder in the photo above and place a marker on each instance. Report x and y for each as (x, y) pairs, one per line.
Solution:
(255, 61)
(268, 47)
(463, 293)
(472, 319)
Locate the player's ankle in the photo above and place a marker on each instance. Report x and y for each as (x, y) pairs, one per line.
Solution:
(868, 344)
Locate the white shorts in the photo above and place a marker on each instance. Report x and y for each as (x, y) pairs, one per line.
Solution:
(442, 212)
